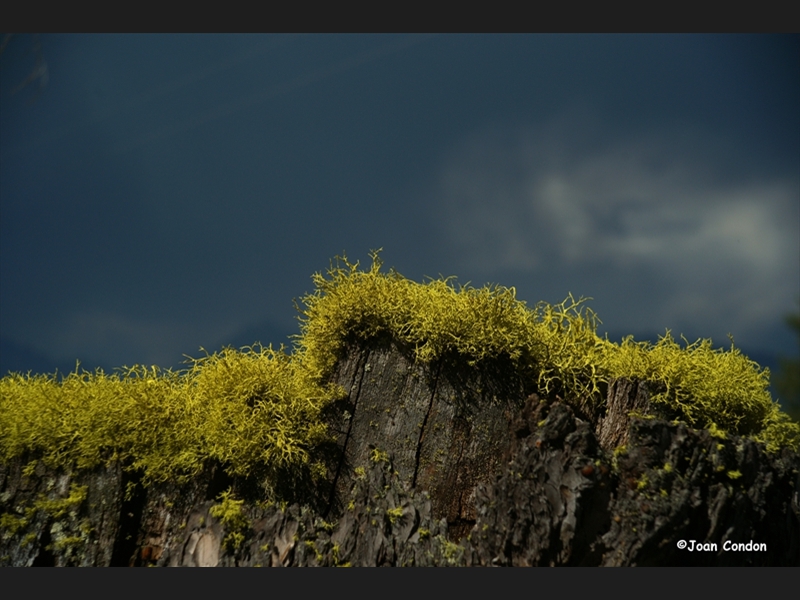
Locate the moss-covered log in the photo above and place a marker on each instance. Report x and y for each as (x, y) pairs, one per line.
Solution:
(411, 424)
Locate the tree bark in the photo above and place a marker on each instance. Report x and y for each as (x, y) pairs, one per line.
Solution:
(423, 456)
(446, 425)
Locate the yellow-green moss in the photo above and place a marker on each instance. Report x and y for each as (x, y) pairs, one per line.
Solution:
(30, 468)
(377, 455)
(394, 514)
(68, 534)
(723, 391)
(555, 344)
(252, 408)
(10, 524)
(61, 506)
(259, 408)
(453, 553)
(229, 513)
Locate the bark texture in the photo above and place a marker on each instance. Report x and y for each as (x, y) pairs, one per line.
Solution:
(445, 425)
(442, 465)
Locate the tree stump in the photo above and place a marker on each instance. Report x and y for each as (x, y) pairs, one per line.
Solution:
(624, 396)
(446, 425)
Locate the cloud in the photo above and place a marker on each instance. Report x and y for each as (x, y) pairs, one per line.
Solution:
(722, 247)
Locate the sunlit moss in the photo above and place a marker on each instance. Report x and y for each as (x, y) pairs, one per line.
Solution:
(90, 418)
(229, 513)
(555, 345)
(257, 407)
(250, 408)
(723, 391)
(260, 409)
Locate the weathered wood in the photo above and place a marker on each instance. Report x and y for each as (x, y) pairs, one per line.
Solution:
(446, 449)
(624, 397)
(445, 424)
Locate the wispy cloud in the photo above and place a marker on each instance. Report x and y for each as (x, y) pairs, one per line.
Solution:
(723, 249)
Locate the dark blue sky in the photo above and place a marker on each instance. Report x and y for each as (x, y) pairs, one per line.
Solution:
(162, 193)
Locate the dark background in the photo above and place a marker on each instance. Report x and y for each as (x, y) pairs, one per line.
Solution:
(159, 193)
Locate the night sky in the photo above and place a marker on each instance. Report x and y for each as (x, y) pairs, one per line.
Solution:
(159, 193)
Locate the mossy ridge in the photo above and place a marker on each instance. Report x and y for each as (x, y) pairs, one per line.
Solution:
(258, 409)
(253, 410)
(723, 391)
(556, 345)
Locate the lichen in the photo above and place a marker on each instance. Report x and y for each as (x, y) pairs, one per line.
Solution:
(452, 553)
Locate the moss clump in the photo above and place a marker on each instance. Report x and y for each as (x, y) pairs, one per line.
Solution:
(259, 409)
(714, 389)
(10, 524)
(253, 410)
(265, 408)
(394, 514)
(554, 345)
(229, 513)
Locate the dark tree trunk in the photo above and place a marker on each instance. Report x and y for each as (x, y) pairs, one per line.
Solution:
(445, 425)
